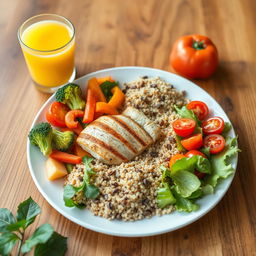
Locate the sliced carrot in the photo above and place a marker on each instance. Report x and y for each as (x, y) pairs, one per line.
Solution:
(104, 79)
(76, 130)
(105, 108)
(70, 118)
(118, 97)
(95, 87)
(89, 107)
(80, 152)
(65, 157)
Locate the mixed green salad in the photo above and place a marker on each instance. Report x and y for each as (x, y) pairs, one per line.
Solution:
(205, 158)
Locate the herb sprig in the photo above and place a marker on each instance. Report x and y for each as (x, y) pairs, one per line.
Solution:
(12, 230)
(88, 189)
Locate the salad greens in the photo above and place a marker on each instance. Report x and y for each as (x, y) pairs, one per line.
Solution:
(221, 165)
(12, 230)
(186, 113)
(89, 190)
(181, 187)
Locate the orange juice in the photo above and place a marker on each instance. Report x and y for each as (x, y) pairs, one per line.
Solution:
(48, 47)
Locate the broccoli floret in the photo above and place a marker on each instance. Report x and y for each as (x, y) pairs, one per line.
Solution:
(41, 136)
(63, 140)
(70, 94)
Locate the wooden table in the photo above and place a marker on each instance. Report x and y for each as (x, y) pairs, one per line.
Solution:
(113, 33)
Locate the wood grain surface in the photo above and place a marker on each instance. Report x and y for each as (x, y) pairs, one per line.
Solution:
(114, 33)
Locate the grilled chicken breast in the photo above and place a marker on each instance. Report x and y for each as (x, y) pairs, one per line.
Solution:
(119, 138)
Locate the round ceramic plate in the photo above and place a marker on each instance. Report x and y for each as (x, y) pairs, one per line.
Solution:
(53, 191)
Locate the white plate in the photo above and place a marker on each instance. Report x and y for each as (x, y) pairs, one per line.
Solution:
(53, 191)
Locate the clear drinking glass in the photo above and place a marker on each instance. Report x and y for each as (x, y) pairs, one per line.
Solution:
(48, 45)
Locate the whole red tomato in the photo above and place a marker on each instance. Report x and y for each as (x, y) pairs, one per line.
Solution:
(194, 56)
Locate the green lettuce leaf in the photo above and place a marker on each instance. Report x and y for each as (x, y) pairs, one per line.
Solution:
(190, 164)
(221, 163)
(227, 128)
(184, 204)
(185, 182)
(165, 196)
(186, 113)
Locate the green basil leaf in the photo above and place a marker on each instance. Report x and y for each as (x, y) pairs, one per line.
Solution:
(106, 88)
(6, 218)
(165, 196)
(185, 182)
(91, 191)
(7, 242)
(184, 204)
(55, 246)
(17, 225)
(69, 192)
(28, 210)
(40, 236)
(202, 164)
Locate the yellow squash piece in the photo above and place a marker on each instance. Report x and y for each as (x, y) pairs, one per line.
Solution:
(55, 169)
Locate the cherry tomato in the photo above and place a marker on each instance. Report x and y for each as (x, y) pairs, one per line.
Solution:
(213, 125)
(175, 158)
(184, 126)
(71, 116)
(55, 114)
(191, 153)
(215, 142)
(194, 56)
(199, 108)
(195, 153)
(193, 142)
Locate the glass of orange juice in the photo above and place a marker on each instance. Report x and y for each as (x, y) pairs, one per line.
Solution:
(48, 45)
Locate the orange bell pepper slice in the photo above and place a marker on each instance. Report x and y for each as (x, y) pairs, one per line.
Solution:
(95, 87)
(70, 118)
(76, 130)
(89, 107)
(118, 97)
(104, 79)
(105, 108)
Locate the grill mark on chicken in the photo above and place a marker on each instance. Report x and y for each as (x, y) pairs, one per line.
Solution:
(104, 145)
(111, 131)
(127, 128)
(138, 125)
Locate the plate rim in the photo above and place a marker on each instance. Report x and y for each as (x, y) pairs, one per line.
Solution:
(109, 232)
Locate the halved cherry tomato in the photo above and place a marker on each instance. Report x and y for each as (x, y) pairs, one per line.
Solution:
(199, 108)
(184, 126)
(175, 158)
(215, 142)
(191, 153)
(213, 125)
(55, 114)
(70, 118)
(195, 153)
(193, 142)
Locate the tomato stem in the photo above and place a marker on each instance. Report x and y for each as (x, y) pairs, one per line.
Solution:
(198, 45)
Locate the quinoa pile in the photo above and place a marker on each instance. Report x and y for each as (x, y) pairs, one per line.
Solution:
(128, 191)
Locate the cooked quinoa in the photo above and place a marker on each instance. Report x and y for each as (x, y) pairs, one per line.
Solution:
(128, 191)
